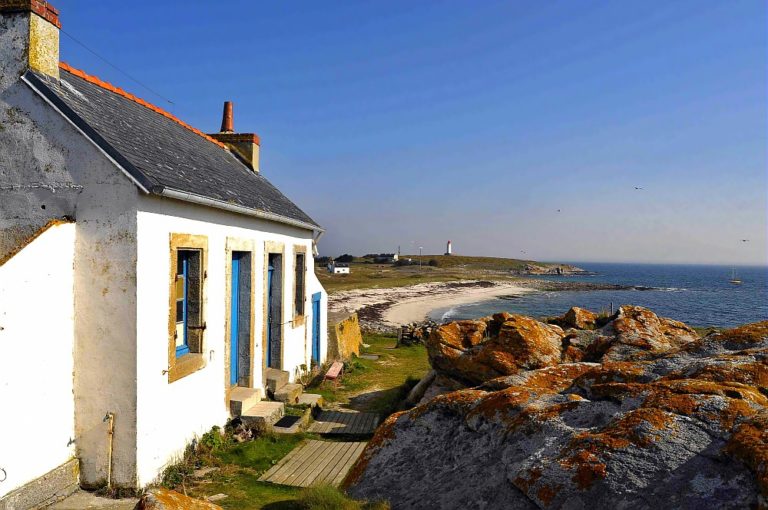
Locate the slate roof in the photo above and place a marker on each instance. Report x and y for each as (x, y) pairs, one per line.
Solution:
(159, 151)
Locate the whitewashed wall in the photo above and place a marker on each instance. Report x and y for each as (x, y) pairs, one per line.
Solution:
(36, 358)
(171, 415)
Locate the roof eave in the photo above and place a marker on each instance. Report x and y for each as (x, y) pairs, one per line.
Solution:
(235, 208)
(103, 146)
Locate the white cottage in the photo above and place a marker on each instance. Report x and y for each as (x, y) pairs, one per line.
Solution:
(152, 279)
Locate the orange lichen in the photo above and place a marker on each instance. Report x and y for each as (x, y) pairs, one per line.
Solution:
(459, 402)
(587, 466)
(524, 483)
(748, 334)
(749, 444)
(546, 494)
(127, 95)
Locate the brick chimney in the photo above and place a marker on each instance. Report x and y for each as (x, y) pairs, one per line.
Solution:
(29, 37)
(246, 145)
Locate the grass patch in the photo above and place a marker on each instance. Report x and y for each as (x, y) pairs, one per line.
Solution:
(367, 385)
(366, 275)
(261, 453)
(239, 466)
(326, 497)
(378, 386)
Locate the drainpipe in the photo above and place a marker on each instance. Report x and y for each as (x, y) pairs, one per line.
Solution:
(110, 419)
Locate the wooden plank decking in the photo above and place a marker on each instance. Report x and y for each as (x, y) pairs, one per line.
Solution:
(345, 422)
(314, 462)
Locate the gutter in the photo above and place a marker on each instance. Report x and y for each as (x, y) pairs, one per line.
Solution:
(239, 209)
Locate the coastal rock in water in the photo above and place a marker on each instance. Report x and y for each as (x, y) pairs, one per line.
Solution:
(478, 350)
(683, 424)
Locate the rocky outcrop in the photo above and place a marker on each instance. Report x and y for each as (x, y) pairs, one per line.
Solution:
(478, 350)
(553, 269)
(653, 416)
(577, 318)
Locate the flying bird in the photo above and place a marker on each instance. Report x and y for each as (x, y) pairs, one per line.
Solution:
(558, 210)
(638, 187)
(745, 240)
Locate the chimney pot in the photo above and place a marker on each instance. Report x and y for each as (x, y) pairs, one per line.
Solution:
(227, 120)
(245, 145)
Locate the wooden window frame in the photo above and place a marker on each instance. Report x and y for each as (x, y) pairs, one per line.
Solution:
(191, 362)
(299, 318)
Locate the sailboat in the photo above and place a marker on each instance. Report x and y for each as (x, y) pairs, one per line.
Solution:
(734, 279)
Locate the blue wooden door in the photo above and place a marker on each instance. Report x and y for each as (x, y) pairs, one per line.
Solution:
(234, 326)
(316, 327)
(270, 273)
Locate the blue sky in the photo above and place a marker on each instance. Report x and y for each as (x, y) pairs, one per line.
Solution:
(411, 123)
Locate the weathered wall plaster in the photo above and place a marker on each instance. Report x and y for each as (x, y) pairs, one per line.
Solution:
(37, 358)
(49, 170)
(170, 415)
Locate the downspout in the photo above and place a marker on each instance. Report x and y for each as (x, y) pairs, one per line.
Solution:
(110, 419)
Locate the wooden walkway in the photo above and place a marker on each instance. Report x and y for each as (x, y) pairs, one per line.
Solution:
(345, 422)
(314, 462)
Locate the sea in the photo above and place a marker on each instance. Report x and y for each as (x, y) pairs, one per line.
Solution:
(695, 294)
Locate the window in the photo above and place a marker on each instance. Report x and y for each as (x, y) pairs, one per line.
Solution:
(186, 323)
(298, 309)
(188, 307)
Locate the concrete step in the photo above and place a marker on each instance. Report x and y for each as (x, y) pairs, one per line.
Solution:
(276, 378)
(312, 400)
(241, 398)
(289, 393)
(263, 415)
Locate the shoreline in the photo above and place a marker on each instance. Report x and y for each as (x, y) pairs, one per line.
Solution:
(418, 309)
(387, 309)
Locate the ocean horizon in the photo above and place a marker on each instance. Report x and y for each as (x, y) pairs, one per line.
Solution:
(699, 295)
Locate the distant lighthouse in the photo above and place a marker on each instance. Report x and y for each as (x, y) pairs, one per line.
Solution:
(448, 248)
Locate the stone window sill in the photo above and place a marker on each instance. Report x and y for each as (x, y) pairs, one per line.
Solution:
(185, 365)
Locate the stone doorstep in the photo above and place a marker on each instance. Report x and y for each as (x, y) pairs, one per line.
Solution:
(311, 399)
(241, 398)
(276, 378)
(263, 414)
(289, 393)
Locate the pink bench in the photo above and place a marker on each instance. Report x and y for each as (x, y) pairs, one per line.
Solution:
(335, 371)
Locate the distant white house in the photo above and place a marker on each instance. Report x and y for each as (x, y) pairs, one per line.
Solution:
(338, 268)
(151, 277)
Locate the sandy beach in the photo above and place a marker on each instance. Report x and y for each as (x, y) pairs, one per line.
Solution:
(389, 308)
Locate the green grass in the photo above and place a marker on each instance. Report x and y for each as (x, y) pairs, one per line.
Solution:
(374, 386)
(378, 386)
(239, 467)
(261, 453)
(364, 275)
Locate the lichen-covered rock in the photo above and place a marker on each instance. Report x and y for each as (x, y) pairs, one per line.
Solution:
(165, 499)
(664, 419)
(637, 331)
(478, 350)
(579, 318)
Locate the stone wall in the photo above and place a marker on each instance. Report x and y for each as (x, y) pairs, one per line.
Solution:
(344, 337)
